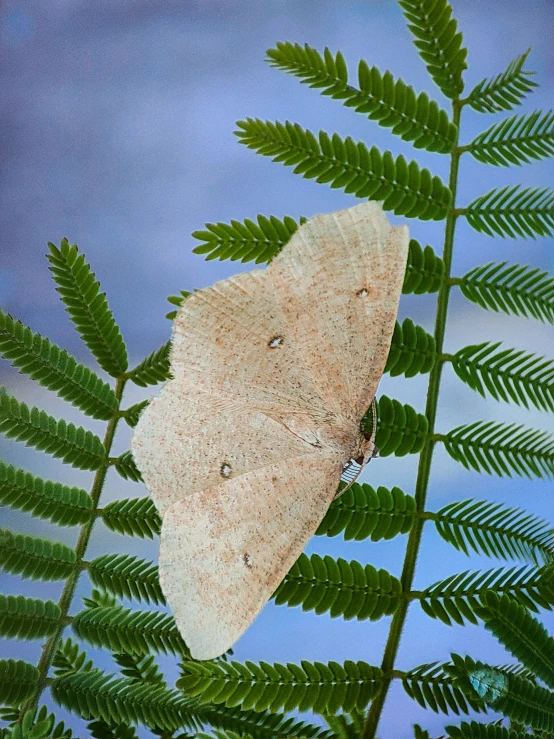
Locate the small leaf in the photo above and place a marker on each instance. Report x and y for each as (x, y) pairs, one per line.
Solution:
(126, 467)
(27, 618)
(400, 429)
(127, 576)
(413, 351)
(153, 369)
(18, 680)
(133, 517)
(516, 140)
(34, 558)
(424, 270)
(514, 212)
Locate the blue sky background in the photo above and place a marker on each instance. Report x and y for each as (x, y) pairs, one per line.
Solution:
(117, 127)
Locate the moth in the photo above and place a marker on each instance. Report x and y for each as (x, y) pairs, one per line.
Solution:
(243, 450)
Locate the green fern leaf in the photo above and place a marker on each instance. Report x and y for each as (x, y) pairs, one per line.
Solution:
(475, 730)
(246, 240)
(400, 429)
(133, 517)
(502, 449)
(132, 414)
(126, 467)
(70, 658)
(18, 680)
(458, 598)
(153, 369)
(438, 42)
(27, 618)
(424, 270)
(99, 599)
(496, 531)
(516, 140)
(34, 558)
(363, 512)
(36, 725)
(55, 369)
(403, 187)
(126, 576)
(73, 444)
(259, 724)
(391, 103)
(176, 300)
(140, 669)
(514, 696)
(87, 307)
(431, 687)
(521, 634)
(513, 211)
(103, 730)
(321, 688)
(515, 289)
(507, 374)
(59, 503)
(97, 695)
(420, 733)
(122, 630)
(413, 351)
(341, 588)
(504, 91)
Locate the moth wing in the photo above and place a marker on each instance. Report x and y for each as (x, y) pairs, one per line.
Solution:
(339, 281)
(233, 339)
(225, 550)
(187, 441)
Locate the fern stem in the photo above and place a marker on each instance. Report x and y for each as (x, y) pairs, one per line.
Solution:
(424, 468)
(50, 647)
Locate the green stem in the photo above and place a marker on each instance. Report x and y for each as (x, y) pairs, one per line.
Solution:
(51, 646)
(414, 539)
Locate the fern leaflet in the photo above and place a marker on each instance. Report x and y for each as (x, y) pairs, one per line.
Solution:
(513, 211)
(400, 429)
(127, 577)
(87, 307)
(389, 102)
(153, 369)
(516, 140)
(413, 350)
(507, 375)
(133, 517)
(27, 618)
(17, 680)
(504, 91)
(34, 558)
(403, 187)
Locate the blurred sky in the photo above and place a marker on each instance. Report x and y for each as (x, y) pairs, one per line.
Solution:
(117, 123)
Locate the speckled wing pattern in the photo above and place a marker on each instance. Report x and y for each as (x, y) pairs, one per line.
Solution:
(243, 450)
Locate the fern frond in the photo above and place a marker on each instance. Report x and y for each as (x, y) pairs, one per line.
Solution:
(34, 558)
(504, 91)
(99, 599)
(363, 512)
(424, 270)
(507, 374)
(153, 369)
(400, 429)
(55, 369)
(87, 307)
(308, 686)
(246, 240)
(127, 576)
(514, 696)
(18, 679)
(366, 173)
(391, 103)
(459, 596)
(495, 530)
(70, 657)
(475, 730)
(140, 669)
(133, 517)
(100, 696)
(502, 449)
(103, 730)
(516, 140)
(73, 444)
(513, 211)
(413, 351)
(431, 687)
(515, 289)
(522, 635)
(59, 503)
(27, 618)
(341, 588)
(438, 42)
(126, 467)
(122, 630)
(259, 724)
